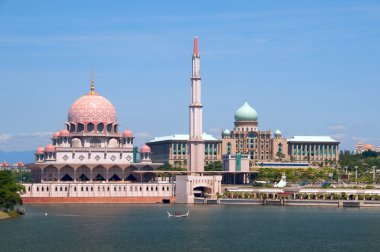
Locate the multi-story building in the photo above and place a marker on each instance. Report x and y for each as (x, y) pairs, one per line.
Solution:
(174, 149)
(262, 148)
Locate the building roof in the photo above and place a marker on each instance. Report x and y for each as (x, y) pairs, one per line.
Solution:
(315, 139)
(181, 137)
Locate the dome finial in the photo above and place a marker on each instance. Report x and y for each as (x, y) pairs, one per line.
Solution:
(92, 81)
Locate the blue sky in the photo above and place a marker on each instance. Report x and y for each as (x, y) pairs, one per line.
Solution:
(307, 67)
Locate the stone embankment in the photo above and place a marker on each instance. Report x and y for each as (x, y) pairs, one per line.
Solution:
(290, 202)
(95, 200)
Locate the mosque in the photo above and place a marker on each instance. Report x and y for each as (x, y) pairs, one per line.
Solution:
(91, 160)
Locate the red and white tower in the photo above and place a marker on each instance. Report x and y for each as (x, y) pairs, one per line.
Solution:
(196, 143)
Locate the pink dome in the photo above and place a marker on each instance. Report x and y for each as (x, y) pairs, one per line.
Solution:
(145, 149)
(56, 135)
(4, 164)
(92, 107)
(50, 148)
(64, 133)
(40, 150)
(127, 133)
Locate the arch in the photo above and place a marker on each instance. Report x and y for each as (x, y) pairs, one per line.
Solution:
(115, 128)
(201, 191)
(109, 128)
(90, 127)
(95, 142)
(100, 127)
(128, 175)
(72, 127)
(99, 173)
(76, 143)
(67, 173)
(113, 143)
(115, 173)
(50, 173)
(80, 127)
(83, 173)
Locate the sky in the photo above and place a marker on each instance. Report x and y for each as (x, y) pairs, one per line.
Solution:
(307, 67)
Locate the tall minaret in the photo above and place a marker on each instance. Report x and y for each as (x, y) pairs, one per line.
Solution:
(196, 144)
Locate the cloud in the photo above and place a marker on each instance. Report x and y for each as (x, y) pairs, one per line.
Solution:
(24, 141)
(337, 127)
(143, 135)
(215, 130)
(5, 138)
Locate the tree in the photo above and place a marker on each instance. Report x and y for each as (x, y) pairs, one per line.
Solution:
(9, 191)
(214, 166)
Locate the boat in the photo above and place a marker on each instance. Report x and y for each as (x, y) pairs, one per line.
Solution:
(179, 214)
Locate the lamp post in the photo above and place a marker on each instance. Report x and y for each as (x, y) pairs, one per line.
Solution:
(356, 172)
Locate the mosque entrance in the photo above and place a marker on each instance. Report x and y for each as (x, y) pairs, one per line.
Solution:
(115, 178)
(201, 191)
(83, 178)
(67, 178)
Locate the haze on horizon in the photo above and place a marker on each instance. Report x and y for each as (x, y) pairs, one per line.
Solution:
(308, 68)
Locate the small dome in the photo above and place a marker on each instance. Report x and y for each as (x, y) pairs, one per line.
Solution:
(40, 150)
(127, 133)
(64, 133)
(277, 133)
(246, 113)
(56, 135)
(368, 146)
(227, 132)
(4, 164)
(145, 149)
(50, 148)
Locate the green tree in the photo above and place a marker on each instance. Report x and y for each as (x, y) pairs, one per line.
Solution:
(9, 191)
(214, 166)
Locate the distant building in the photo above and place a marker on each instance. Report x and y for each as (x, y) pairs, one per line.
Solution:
(261, 148)
(174, 149)
(361, 147)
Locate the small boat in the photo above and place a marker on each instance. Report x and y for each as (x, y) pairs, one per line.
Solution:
(179, 214)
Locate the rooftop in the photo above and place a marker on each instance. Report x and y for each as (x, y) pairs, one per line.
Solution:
(318, 139)
(181, 137)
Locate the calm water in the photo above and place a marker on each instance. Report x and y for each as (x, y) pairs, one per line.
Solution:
(209, 228)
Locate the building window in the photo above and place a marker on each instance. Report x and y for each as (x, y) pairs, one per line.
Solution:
(100, 127)
(90, 127)
(95, 142)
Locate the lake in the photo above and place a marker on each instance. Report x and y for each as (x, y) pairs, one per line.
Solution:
(208, 228)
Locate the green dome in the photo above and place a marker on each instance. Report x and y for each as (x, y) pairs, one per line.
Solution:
(246, 113)
(227, 132)
(277, 133)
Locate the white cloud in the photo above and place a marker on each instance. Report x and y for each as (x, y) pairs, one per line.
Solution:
(24, 141)
(337, 127)
(5, 138)
(143, 135)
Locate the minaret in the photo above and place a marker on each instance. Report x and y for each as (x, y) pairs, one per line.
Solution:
(196, 144)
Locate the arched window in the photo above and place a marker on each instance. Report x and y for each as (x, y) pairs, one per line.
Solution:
(280, 147)
(115, 128)
(90, 127)
(80, 127)
(229, 148)
(72, 127)
(109, 128)
(95, 142)
(100, 127)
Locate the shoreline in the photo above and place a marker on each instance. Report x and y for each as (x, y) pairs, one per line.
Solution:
(4, 215)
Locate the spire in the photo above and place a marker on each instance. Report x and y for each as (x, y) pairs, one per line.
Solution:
(92, 81)
(196, 49)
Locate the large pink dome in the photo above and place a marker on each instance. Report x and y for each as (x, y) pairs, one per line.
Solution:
(92, 107)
